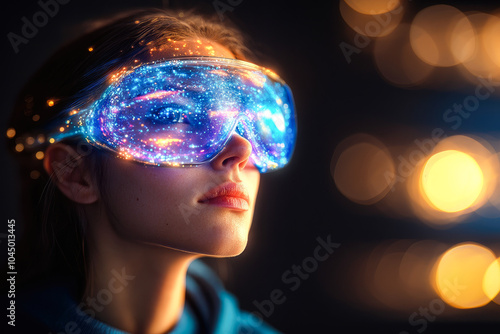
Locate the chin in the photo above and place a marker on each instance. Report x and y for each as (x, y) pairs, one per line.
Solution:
(222, 235)
(219, 241)
(225, 243)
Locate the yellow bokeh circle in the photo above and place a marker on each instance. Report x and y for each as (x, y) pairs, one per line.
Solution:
(451, 180)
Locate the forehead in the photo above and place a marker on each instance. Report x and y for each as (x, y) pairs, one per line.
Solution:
(189, 48)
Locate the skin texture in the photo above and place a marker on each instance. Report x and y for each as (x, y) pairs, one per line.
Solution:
(150, 225)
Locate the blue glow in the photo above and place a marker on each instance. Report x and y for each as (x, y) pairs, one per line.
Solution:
(183, 111)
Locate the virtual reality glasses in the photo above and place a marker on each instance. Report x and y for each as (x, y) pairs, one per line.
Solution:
(183, 111)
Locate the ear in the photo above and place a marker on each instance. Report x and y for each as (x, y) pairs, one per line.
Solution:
(67, 170)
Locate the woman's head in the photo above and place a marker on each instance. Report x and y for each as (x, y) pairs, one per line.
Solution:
(146, 204)
(164, 206)
(160, 90)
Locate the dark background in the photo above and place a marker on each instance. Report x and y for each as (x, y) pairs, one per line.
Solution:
(334, 99)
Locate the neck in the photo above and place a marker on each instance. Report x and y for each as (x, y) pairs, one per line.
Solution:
(135, 287)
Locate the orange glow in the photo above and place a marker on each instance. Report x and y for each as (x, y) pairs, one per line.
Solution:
(30, 140)
(451, 180)
(125, 154)
(19, 147)
(166, 141)
(113, 77)
(255, 78)
(484, 154)
(439, 205)
(91, 49)
(50, 103)
(40, 138)
(460, 273)
(39, 155)
(185, 48)
(491, 39)
(397, 62)
(494, 196)
(11, 132)
(482, 64)
(363, 169)
(463, 41)
(431, 33)
(373, 7)
(372, 24)
(271, 73)
(491, 280)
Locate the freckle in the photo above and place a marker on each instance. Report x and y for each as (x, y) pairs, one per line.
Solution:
(137, 198)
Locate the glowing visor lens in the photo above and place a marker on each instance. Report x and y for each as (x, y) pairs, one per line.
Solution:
(183, 111)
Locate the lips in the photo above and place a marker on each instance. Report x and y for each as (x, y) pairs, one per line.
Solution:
(229, 195)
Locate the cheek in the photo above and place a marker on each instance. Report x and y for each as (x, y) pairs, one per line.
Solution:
(144, 201)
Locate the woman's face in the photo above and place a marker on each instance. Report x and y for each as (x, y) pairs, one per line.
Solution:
(206, 209)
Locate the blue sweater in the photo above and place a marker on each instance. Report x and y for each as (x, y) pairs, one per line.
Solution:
(208, 309)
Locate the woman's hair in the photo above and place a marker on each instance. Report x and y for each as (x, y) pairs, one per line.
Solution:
(54, 240)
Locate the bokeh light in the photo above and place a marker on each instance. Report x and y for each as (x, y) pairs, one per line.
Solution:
(491, 280)
(431, 32)
(491, 38)
(11, 132)
(362, 169)
(371, 24)
(460, 273)
(463, 40)
(397, 62)
(437, 200)
(485, 156)
(452, 180)
(373, 7)
(481, 64)
(388, 275)
(386, 285)
(441, 180)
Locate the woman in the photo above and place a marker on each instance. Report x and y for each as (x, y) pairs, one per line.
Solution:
(154, 132)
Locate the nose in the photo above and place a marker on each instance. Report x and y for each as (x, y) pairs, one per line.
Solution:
(236, 153)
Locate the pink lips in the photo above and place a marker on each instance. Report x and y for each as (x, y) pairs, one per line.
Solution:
(229, 195)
